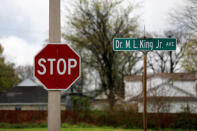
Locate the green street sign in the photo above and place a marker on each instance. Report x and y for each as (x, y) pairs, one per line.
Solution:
(129, 44)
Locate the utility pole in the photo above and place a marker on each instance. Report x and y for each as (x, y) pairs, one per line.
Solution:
(144, 86)
(54, 96)
(144, 91)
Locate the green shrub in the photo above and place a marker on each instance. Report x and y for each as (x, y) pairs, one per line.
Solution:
(184, 121)
(80, 103)
(5, 125)
(23, 125)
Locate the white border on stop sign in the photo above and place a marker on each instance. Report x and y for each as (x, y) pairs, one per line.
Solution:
(72, 82)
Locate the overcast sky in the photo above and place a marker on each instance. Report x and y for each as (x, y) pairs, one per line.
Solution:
(24, 24)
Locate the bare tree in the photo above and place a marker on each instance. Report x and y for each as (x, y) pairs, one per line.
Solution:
(186, 18)
(25, 72)
(169, 61)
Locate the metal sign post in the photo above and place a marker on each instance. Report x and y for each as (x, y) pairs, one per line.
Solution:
(54, 96)
(57, 66)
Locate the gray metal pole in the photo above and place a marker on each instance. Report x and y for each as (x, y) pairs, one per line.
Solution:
(54, 96)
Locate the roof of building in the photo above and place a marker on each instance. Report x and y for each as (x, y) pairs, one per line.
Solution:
(25, 94)
(171, 76)
(166, 98)
(28, 82)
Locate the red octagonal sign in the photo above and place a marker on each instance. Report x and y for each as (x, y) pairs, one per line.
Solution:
(57, 66)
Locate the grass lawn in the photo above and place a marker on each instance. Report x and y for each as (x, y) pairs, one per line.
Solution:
(69, 129)
(87, 129)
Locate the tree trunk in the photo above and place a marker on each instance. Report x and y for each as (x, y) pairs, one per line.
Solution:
(111, 99)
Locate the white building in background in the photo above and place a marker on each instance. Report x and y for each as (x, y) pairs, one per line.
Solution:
(166, 92)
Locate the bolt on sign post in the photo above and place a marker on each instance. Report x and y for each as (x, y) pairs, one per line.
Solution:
(144, 45)
(56, 66)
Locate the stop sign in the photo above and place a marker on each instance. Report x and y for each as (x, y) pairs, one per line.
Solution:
(57, 66)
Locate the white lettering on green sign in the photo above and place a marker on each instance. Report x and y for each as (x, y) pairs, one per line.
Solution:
(144, 44)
